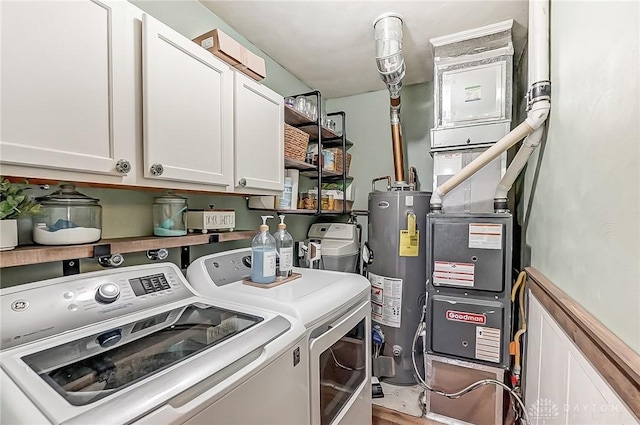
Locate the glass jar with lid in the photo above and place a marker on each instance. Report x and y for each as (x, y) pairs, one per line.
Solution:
(68, 217)
(170, 215)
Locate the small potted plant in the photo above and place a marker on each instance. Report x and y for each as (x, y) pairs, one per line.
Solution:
(14, 203)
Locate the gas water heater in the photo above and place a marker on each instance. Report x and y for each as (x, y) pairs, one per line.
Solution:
(397, 239)
(396, 230)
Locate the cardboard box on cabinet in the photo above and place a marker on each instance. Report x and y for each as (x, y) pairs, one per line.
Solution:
(253, 65)
(233, 53)
(223, 46)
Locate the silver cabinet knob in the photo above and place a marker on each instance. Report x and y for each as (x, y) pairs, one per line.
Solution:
(242, 182)
(157, 169)
(123, 166)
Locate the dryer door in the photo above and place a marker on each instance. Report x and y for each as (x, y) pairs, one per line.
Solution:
(340, 370)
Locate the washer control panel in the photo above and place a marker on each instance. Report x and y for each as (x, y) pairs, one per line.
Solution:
(42, 309)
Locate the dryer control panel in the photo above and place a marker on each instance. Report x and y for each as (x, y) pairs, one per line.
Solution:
(229, 267)
(38, 310)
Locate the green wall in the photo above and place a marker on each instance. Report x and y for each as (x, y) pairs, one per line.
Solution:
(368, 127)
(583, 219)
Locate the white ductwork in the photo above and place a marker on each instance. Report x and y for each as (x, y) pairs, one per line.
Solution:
(538, 105)
(517, 164)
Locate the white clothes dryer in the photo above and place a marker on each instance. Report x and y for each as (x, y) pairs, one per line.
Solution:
(334, 308)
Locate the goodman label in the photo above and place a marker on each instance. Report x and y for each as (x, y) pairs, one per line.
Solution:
(461, 316)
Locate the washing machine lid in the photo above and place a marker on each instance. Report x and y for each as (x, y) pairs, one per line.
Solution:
(314, 296)
(120, 370)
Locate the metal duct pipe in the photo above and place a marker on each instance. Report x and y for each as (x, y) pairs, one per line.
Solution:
(390, 63)
(538, 106)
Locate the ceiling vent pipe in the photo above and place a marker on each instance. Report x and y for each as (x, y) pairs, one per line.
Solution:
(390, 62)
(538, 105)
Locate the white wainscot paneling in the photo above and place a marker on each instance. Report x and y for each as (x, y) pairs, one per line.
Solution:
(561, 385)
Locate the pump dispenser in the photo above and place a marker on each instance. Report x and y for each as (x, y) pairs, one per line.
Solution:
(284, 247)
(263, 255)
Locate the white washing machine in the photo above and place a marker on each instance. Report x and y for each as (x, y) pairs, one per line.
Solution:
(137, 345)
(334, 308)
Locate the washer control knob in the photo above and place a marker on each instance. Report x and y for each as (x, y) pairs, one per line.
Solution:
(110, 338)
(107, 293)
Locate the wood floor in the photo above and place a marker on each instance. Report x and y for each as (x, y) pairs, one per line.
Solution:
(384, 416)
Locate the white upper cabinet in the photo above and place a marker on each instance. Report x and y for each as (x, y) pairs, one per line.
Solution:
(258, 135)
(98, 91)
(187, 109)
(61, 86)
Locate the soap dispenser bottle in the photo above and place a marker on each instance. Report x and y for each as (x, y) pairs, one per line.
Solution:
(263, 255)
(284, 247)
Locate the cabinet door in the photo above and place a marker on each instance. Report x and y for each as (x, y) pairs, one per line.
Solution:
(259, 136)
(61, 85)
(187, 107)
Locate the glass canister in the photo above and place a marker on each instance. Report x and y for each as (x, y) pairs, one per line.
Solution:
(170, 215)
(69, 217)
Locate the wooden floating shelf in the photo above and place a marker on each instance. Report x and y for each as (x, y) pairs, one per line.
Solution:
(35, 254)
(329, 138)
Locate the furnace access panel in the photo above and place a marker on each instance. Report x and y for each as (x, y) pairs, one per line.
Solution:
(469, 286)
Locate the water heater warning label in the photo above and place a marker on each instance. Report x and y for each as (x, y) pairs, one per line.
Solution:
(447, 273)
(386, 300)
(485, 235)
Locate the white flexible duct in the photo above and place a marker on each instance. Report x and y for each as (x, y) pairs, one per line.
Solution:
(539, 105)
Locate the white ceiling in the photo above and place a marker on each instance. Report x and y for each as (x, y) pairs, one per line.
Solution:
(329, 45)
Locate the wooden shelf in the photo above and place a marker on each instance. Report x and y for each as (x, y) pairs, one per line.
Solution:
(301, 212)
(35, 254)
(325, 174)
(310, 170)
(300, 165)
(330, 139)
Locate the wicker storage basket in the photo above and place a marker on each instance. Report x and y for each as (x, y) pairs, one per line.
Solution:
(295, 143)
(338, 159)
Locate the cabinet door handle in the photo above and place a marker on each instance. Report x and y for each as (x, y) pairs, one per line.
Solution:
(242, 182)
(123, 166)
(157, 169)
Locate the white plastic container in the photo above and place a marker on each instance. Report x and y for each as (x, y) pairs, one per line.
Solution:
(287, 194)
